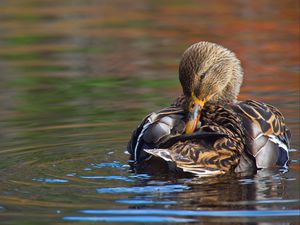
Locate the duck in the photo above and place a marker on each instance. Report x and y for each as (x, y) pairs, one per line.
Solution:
(207, 131)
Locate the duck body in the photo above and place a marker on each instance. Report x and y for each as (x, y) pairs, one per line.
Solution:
(241, 137)
(207, 131)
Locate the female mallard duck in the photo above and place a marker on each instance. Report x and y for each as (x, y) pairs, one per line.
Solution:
(207, 131)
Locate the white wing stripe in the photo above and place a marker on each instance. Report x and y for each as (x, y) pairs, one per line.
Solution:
(146, 125)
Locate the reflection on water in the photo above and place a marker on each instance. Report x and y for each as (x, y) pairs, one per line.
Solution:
(77, 77)
(186, 213)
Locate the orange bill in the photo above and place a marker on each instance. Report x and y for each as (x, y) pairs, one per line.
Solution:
(193, 117)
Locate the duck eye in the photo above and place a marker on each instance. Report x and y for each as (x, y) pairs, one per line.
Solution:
(202, 75)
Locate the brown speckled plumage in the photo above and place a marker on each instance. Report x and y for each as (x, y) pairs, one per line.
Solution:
(230, 135)
(206, 67)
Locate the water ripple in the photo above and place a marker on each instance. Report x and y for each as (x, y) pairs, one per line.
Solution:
(144, 189)
(225, 213)
(50, 180)
(122, 178)
(264, 202)
(145, 202)
(136, 219)
(114, 164)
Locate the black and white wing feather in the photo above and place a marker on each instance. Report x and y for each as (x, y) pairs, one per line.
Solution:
(268, 138)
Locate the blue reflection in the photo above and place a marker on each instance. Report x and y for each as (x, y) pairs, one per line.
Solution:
(137, 219)
(231, 213)
(144, 189)
(145, 202)
(140, 176)
(50, 180)
(114, 164)
(71, 174)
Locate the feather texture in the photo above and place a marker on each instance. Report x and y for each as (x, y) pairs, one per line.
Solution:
(267, 136)
(229, 136)
(232, 137)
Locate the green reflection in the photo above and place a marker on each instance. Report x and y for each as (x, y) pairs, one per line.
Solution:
(31, 39)
(91, 99)
(19, 56)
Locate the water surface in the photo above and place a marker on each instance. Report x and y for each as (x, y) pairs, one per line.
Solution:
(78, 76)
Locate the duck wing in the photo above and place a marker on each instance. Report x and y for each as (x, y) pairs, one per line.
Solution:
(217, 149)
(267, 136)
(162, 129)
(199, 159)
(155, 129)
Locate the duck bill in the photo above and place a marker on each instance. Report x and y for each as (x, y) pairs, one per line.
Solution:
(193, 116)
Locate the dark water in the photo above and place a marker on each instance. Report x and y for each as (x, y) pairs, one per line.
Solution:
(77, 77)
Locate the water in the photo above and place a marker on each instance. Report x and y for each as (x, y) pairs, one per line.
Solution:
(78, 76)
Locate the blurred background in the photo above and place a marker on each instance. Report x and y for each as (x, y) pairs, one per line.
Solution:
(77, 77)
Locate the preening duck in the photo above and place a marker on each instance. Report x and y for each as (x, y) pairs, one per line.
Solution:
(206, 130)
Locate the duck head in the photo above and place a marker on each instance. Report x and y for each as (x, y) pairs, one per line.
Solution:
(208, 73)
